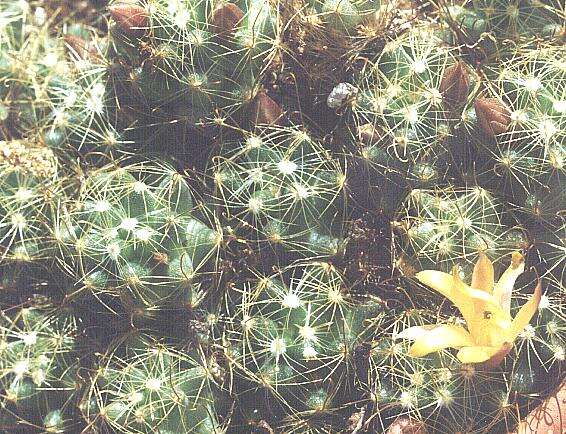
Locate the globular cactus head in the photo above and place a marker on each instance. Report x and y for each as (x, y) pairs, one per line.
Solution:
(285, 187)
(39, 358)
(515, 20)
(206, 56)
(341, 17)
(144, 386)
(444, 227)
(30, 191)
(137, 235)
(405, 115)
(521, 126)
(294, 336)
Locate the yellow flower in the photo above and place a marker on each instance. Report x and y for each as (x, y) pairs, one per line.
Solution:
(485, 306)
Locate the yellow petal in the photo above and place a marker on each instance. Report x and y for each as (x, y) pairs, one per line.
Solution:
(438, 338)
(504, 287)
(491, 356)
(474, 304)
(477, 302)
(415, 332)
(446, 284)
(476, 354)
(526, 313)
(482, 277)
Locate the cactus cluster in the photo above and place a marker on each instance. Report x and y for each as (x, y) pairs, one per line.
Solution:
(283, 216)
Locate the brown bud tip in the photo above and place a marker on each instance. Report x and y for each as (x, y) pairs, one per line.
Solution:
(77, 45)
(498, 357)
(265, 111)
(454, 86)
(81, 48)
(160, 257)
(369, 134)
(225, 18)
(493, 116)
(131, 18)
(404, 425)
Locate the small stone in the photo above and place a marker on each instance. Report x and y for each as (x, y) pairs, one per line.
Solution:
(341, 94)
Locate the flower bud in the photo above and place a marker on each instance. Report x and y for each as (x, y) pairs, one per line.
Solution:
(369, 134)
(81, 48)
(225, 18)
(493, 116)
(131, 18)
(454, 87)
(265, 111)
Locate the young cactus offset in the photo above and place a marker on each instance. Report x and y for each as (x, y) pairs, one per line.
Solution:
(540, 348)
(30, 64)
(405, 112)
(53, 87)
(504, 19)
(292, 338)
(30, 191)
(85, 115)
(415, 93)
(443, 227)
(550, 245)
(522, 121)
(341, 16)
(283, 185)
